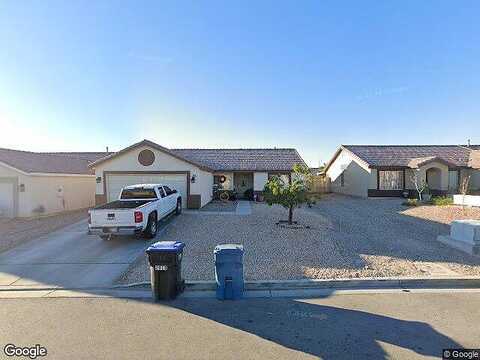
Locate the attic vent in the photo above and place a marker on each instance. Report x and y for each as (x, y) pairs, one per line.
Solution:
(146, 157)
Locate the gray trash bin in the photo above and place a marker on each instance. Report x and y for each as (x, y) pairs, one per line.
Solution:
(229, 271)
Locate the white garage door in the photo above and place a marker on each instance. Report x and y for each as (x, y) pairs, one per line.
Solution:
(115, 183)
(6, 200)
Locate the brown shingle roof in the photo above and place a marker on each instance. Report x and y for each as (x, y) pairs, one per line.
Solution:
(51, 163)
(243, 159)
(406, 155)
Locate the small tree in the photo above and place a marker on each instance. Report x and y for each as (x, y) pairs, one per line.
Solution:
(291, 194)
(464, 185)
(420, 185)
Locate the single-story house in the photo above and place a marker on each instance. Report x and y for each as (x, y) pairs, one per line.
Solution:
(392, 170)
(193, 172)
(33, 183)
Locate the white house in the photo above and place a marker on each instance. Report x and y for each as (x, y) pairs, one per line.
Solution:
(193, 172)
(391, 170)
(33, 184)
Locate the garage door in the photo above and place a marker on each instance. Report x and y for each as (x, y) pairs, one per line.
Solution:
(116, 182)
(6, 200)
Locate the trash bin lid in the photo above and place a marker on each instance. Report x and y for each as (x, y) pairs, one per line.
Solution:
(228, 248)
(166, 246)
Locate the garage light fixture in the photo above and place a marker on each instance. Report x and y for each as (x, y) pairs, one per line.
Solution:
(98, 179)
(194, 177)
(21, 187)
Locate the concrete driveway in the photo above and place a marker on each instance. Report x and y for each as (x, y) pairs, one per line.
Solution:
(69, 258)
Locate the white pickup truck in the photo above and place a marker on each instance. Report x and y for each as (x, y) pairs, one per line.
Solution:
(137, 211)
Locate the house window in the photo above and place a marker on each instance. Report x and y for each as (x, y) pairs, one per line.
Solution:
(390, 180)
(342, 179)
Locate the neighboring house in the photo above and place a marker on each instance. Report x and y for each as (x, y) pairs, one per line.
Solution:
(33, 184)
(193, 172)
(389, 170)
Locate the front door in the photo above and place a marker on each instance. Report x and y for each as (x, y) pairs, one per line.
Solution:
(242, 182)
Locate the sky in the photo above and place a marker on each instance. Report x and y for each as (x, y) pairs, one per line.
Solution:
(83, 75)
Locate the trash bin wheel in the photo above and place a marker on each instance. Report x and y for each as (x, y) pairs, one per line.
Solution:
(178, 209)
(152, 227)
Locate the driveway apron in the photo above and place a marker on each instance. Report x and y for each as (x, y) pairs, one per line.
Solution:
(69, 258)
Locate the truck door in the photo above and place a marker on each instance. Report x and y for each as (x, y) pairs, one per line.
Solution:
(162, 206)
(171, 198)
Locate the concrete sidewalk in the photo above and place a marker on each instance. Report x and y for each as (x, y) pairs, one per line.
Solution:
(347, 326)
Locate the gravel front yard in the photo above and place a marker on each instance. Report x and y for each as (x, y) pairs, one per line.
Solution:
(444, 214)
(348, 238)
(14, 232)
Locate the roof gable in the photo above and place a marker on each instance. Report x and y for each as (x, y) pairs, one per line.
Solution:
(152, 145)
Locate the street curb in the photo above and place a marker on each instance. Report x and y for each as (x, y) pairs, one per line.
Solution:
(257, 289)
(365, 283)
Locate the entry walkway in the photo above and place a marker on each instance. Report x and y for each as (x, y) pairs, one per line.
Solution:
(243, 208)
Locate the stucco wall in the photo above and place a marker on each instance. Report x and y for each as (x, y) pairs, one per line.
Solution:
(42, 191)
(357, 177)
(60, 193)
(163, 162)
(259, 180)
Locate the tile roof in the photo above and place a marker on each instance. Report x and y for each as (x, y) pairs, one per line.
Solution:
(243, 159)
(50, 162)
(406, 155)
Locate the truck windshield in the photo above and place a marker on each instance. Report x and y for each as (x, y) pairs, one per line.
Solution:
(138, 193)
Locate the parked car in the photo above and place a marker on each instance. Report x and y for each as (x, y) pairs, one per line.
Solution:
(137, 211)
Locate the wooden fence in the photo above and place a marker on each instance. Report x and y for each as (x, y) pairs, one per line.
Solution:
(320, 184)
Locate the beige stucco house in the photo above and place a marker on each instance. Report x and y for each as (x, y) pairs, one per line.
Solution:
(33, 184)
(195, 173)
(391, 170)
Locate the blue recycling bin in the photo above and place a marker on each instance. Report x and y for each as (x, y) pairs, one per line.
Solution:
(229, 271)
(166, 279)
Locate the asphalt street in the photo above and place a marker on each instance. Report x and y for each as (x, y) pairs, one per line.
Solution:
(398, 325)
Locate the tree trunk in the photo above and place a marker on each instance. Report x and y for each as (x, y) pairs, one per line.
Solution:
(290, 215)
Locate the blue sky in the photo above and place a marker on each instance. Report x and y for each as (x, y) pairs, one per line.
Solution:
(81, 75)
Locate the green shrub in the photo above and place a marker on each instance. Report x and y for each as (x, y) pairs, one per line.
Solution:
(411, 202)
(442, 200)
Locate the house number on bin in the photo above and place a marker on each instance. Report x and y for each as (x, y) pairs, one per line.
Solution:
(161, 267)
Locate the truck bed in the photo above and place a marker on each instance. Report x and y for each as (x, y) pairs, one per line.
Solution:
(118, 204)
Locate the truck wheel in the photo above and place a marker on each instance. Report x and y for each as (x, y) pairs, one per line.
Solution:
(152, 227)
(178, 209)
